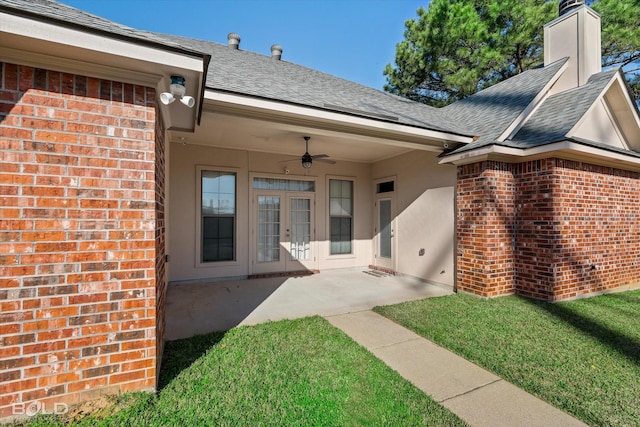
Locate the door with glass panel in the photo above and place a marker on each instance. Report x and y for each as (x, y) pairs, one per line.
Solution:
(384, 250)
(283, 232)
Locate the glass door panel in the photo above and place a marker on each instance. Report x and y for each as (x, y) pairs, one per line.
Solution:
(268, 228)
(384, 248)
(300, 227)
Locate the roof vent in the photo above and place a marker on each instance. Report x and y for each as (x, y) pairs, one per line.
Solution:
(568, 5)
(234, 40)
(276, 51)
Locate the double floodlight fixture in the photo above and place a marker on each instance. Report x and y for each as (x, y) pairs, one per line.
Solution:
(177, 90)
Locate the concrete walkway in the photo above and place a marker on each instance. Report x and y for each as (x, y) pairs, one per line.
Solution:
(475, 395)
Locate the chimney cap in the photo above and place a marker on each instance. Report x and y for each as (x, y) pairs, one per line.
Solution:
(276, 51)
(566, 6)
(233, 40)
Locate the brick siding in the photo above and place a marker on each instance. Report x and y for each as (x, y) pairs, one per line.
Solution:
(160, 236)
(79, 240)
(549, 229)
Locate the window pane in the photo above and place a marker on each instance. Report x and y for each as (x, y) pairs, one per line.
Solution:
(283, 184)
(217, 239)
(341, 219)
(268, 229)
(335, 188)
(385, 229)
(218, 208)
(346, 189)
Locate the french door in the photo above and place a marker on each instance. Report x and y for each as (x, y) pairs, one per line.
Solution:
(283, 232)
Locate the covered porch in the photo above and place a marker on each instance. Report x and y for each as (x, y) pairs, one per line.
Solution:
(241, 202)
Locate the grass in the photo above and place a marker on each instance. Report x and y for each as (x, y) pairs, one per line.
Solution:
(294, 373)
(581, 356)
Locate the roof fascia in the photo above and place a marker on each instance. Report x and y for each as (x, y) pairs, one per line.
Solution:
(563, 149)
(522, 118)
(73, 49)
(397, 134)
(45, 32)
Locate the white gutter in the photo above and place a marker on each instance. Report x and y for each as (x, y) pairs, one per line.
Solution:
(404, 135)
(563, 149)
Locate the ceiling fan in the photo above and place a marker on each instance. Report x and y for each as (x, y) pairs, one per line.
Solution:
(307, 159)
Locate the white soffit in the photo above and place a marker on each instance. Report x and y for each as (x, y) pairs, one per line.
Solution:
(395, 133)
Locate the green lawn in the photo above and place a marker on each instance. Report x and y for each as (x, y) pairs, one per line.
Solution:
(581, 356)
(288, 373)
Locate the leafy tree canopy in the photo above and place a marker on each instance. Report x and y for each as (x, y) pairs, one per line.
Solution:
(458, 47)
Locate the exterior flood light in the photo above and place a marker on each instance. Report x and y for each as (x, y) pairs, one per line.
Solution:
(177, 89)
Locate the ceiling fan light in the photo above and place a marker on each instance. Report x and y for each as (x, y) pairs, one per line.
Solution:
(306, 160)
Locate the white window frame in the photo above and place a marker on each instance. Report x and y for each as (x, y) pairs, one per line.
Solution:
(198, 219)
(353, 216)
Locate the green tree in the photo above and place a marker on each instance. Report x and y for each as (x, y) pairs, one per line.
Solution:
(621, 38)
(458, 47)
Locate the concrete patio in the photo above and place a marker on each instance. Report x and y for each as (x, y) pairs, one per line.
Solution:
(199, 308)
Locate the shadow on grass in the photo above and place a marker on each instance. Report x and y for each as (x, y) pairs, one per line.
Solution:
(180, 354)
(614, 338)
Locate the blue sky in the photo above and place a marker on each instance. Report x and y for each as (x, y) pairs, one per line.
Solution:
(352, 39)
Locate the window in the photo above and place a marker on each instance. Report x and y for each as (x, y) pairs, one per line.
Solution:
(218, 212)
(283, 184)
(340, 216)
(385, 187)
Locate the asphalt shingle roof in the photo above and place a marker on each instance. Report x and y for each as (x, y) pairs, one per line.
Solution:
(486, 114)
(490, 112)
(249, 73)
(559, 113)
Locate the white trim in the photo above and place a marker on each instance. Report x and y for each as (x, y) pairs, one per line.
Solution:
(396, 134)
(44, 34)
(391, 196)
(586, 114)
(563, 149)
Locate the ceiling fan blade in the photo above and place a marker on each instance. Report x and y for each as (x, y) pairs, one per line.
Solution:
(319, 156)
(289, 159)
(331, 162)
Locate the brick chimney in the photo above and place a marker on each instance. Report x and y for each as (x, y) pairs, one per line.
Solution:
(574, 34)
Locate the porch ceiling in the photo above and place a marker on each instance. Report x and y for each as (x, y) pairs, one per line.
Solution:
(285, 137)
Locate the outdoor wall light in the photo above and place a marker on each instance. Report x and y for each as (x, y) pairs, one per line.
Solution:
(177, 89)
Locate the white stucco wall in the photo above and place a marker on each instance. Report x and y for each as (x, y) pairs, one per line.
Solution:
(425, 218)
(183, 208)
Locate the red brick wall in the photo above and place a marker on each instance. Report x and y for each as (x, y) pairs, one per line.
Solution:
(160, 236)
(485, 204)
(574, 228)
(537, 232)
(77, 237)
